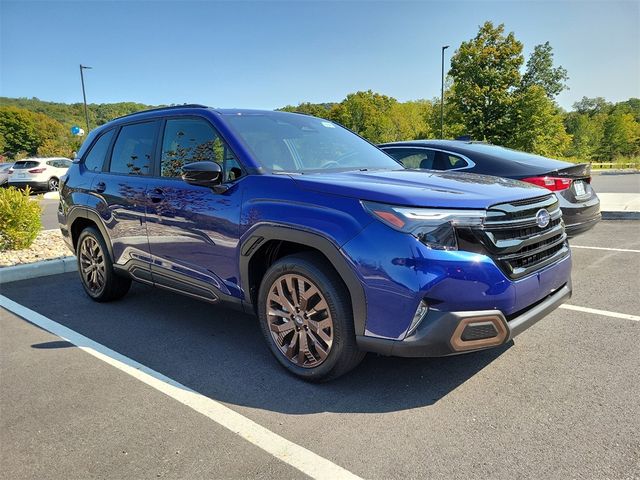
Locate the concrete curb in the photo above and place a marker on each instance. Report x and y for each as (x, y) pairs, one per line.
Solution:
(620, 215)
(52, 195)
(38, 269)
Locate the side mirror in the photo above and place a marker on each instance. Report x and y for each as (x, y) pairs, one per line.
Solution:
(205, 174)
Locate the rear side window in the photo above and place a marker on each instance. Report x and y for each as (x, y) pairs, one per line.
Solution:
(133, 151)
(188, 140)
(59, 163)
(25, 164)
(94, 160)
(448, 161)
(413, 157)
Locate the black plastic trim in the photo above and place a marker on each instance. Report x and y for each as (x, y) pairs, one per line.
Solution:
(433, 336)
(329, 249)
(88, 214)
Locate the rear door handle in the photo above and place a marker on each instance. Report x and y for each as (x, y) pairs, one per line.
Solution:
(156, 195)
(100, 187)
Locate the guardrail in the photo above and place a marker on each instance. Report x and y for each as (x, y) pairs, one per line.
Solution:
(611, 165)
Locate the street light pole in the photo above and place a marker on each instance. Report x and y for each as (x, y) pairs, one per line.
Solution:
(84, 96)
(442, 95)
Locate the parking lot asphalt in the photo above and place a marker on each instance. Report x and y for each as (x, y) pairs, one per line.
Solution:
(561, 401)
(616, 182)
(49, 215)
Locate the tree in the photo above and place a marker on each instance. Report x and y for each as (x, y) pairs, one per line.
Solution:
(368, 114)
(453, 124)
(539, 127)
(540, 71)
(411, 120)
(18, 128)
(53, 148)
(485, 72)
(322, 110)
(621, 135)
(592, 106)
(586, 132)
(631, 106)
(25, 131)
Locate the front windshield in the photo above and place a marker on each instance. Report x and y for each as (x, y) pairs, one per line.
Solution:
(290, 142)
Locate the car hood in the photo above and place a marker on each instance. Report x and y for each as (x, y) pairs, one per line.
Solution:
(424, 188)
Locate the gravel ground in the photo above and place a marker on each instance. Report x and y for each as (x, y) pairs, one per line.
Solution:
(47, 246)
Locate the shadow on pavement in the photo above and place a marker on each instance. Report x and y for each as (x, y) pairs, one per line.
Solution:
(222, 354)
(52, 345)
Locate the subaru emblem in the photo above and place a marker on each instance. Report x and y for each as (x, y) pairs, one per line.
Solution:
(542, 218)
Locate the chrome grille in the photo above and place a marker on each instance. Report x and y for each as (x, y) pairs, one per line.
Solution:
(515, 241)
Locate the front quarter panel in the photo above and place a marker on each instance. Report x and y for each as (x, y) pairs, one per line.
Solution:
(275, 199)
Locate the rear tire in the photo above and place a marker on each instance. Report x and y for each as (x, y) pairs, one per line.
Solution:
(95, 267)
(306, 318)
(53, 185)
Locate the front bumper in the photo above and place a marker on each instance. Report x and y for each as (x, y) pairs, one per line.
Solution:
(442, 333)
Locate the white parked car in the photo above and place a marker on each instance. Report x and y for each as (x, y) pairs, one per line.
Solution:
(38, 173)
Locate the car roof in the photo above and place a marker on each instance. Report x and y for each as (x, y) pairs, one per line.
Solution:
(501, 158)
(194, 106)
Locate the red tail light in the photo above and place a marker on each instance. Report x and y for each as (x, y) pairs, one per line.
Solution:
(551, 183)
(36, 170)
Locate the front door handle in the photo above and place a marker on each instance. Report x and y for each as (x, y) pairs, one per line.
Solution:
(156, 195)
(100, 187)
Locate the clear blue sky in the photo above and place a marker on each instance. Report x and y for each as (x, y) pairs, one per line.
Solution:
(269, 54)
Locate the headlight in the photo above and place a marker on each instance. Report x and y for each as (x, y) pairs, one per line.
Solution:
(435, 227)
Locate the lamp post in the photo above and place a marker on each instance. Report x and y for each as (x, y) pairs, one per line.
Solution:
(84, 95)
(442, 95)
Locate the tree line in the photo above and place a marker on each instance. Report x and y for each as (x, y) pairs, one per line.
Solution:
(30, 127)
(492, 95)
(490, 98)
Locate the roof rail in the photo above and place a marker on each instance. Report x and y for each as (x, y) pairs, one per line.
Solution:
(184, 105)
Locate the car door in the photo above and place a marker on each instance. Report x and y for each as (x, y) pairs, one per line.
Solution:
(193, 230)
(121, 199)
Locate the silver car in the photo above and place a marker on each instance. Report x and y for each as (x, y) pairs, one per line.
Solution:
(4, 173)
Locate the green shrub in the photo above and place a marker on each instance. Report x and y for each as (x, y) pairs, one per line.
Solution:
(19, 219)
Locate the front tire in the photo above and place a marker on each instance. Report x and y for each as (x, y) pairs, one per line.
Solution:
(306, 318)
(98, 277)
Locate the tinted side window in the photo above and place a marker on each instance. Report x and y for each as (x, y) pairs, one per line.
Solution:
(448, 161)
(194, 140)
(59, 163)
(94, 160)
(133, 150)
(413, 157)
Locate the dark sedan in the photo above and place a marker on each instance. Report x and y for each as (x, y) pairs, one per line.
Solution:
(570, 182)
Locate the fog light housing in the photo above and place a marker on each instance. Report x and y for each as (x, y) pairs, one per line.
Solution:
(421, 312)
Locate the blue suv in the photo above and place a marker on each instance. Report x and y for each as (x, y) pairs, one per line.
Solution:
(336, 247)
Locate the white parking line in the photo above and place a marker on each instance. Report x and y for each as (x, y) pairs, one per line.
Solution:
(603, 248)
(298, 457)
(606, 313)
